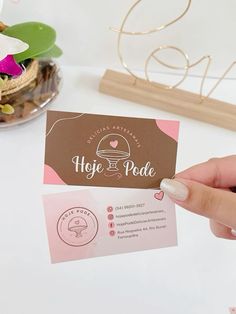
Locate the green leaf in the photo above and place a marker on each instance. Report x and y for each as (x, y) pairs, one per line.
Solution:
(40, 38)
(54, 52)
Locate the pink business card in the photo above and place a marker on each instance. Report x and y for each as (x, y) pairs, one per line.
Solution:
(99, 222)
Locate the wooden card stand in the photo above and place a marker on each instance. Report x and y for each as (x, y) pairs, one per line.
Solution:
(176, 101)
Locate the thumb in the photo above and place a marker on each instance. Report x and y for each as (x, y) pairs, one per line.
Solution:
(215, 204)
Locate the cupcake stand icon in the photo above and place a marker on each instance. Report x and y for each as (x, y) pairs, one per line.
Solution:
(113, 148)
(77, 225)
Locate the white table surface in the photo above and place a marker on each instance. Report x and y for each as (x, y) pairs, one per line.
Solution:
(197, 277)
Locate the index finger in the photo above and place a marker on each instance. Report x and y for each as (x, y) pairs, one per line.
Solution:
(217, 172)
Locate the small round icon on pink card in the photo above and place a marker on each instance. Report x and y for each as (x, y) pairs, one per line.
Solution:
(110, 217)
(110, 209)
(111, 225)
(112, 233)
(232, 310)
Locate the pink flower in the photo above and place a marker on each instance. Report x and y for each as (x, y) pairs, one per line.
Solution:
(9, 66)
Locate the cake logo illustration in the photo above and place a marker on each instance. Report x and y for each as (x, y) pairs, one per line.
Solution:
(77, 226)
(113, 148)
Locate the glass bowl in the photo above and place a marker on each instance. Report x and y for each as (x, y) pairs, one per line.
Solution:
(31, 93)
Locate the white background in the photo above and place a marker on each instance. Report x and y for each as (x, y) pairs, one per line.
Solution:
(83, 28)
(197, 277)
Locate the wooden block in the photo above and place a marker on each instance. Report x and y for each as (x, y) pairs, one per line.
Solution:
(177, 101)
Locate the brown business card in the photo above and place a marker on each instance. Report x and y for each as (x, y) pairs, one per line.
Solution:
(98, 150)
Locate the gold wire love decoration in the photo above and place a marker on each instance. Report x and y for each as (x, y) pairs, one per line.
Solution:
(138, 89)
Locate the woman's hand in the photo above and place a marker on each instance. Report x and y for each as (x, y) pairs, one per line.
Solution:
(207, 189)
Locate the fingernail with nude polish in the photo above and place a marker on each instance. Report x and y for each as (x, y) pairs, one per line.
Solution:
(175, 189)
(233, 232)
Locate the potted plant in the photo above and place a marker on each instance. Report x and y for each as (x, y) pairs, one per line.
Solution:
(29, 78)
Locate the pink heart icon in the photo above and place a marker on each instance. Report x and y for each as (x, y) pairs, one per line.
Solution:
(159, 196)
(114, 144)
